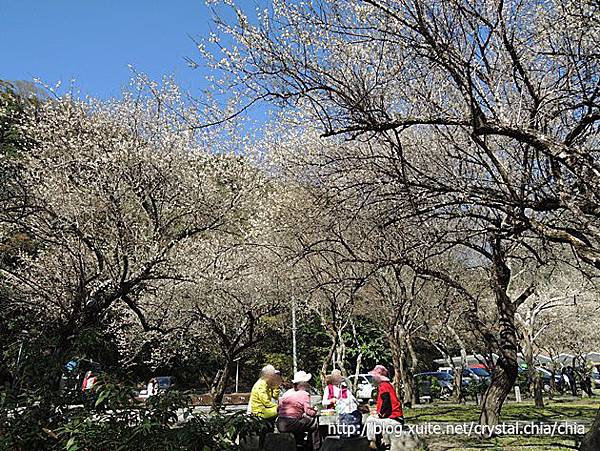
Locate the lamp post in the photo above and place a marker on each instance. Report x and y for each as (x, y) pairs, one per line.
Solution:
(294, 352)
(237, 374)
(17, 380)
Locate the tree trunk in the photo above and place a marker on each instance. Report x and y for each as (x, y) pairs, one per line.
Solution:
(217, 391)
(552, 384)
(358, 358)
(328, 359)
(505, 374)
(410, 390)
(538, 390)
(457, 389)
(340, 353)
(591, 440)
(396, 362)
(534, 376)
(404, 382)
(408, 387)
(503, 380)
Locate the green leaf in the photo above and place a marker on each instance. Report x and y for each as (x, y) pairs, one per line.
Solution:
(103, 395)
(72, 444)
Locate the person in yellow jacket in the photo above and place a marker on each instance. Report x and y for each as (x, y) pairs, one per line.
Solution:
(264, 395)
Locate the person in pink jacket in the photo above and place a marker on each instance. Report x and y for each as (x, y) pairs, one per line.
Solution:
(296, 414)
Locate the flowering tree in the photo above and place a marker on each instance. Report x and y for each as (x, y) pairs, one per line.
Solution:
(487, 110)
(399, 298)
(571, 327)
(239, 284)
(327, 273)
(556, 287)
(115, 192)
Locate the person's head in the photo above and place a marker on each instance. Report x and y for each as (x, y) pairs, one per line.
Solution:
(302, 386)
(335, 378)
(270, 375)
(286, 385)
(300, 380)
(380, 374)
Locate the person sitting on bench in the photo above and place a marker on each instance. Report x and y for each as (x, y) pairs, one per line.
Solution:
(337, 395)
(388, 405)
(296, 415)
(263, 398)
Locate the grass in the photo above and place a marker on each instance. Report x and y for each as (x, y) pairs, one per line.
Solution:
(582, 411)
(504, 443)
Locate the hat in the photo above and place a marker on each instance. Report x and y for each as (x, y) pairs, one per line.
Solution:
(301, 376)
(269, 369)
(380, 372)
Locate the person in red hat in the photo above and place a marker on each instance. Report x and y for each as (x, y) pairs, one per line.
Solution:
(388, 404)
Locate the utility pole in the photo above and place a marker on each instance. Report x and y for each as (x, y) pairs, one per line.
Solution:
(294, 351)
(17, 378)
(237, 374)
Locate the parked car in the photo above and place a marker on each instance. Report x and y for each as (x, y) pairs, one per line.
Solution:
(364, 388)
(444, 379)
(477, 373)
(596, 379)
(165, 382)
(545, 375)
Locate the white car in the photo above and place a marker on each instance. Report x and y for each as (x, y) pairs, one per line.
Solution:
(364, 388)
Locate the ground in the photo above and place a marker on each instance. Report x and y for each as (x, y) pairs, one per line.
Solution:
(570, 409)
(506, 443)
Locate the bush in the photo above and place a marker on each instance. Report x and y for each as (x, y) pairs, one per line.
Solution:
(26, 421)
(435, 388)
(116, 421)
(523, 381)
(476, 388)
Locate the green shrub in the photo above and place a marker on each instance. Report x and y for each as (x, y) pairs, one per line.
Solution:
(114, 420)
(435, 388)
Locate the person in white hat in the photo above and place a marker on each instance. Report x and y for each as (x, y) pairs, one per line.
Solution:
(296, 415)
(264, 394)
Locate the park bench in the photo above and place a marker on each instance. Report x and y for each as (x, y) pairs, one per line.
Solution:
(229, 399)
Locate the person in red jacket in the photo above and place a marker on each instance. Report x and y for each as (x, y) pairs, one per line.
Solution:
(388, 404)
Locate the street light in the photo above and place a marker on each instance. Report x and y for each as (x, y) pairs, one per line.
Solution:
(237, 373)
(24, 334)
(294, 349)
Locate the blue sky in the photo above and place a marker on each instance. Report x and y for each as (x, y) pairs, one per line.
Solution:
(93, 41)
